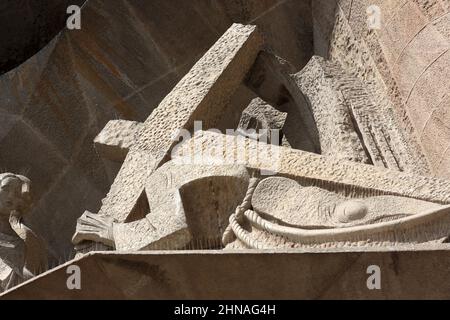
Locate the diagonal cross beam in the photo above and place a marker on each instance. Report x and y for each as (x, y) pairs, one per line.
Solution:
(201, 95)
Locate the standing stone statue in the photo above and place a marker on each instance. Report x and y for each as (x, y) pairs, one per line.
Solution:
(22, 252)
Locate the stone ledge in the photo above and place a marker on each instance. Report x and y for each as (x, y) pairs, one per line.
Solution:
(416, 272)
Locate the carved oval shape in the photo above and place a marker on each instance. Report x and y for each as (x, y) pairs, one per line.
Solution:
(351, 210)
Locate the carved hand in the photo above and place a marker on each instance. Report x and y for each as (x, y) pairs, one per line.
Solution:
(95, 228)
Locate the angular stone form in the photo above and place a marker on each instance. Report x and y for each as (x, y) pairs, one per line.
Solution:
(270, 78)
(407, 273)
(344, 177)
(180, 212)
(348, 119)
(332, 113)
(261, 118)
(369, 55)
(203, 92)
(116, 139)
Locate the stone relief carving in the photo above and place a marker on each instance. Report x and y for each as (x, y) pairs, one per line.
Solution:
(350, 186)
(22, 252)
(280, 213)
(189, 205)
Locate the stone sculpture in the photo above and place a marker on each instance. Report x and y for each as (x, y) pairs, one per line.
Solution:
(353, 194)
(22, 252)
(281, 213)
(188, 205)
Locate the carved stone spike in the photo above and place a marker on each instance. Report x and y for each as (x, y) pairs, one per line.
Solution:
(22, 253)
(116, 139)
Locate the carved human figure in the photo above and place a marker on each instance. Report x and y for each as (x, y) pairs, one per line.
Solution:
(22, 252)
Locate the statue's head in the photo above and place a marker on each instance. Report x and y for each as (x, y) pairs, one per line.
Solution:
(14, 194)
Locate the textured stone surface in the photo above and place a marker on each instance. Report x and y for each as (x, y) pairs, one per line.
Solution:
(332, 111)
(287, 201)
(327, 172)
(262, 121)
(116, 139)
(287, 215)
(200, 95)
(120, 65)
(189, 207)
(403, 64)
(412, 273)
(370, 106)
(270, 78)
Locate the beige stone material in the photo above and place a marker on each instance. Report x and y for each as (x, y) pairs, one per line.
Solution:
(22, 253)
(332, 111)
(116, 139)
(189, 203)
(420, 272)
(405, 64)
(287, 201)
(123, 61)
(287, 215)
(344, 177)
(262, 122)
(200, 95)
(350, 124)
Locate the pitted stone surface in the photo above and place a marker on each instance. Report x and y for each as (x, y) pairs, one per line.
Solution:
(350, 123)
(344, 177)
(116, 139)
(175, 219)
(287, 202)
(260, 121)
(200, 95)
(332, 112)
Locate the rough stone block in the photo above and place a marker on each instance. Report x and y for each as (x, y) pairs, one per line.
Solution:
(116, 139)
(200, 95)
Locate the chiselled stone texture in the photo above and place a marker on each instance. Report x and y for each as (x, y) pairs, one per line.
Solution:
(271, 79)
(125, 59)
(190, 203)
(332, 112)
(116, 139)
(200, 95)
(349, 122)
(23, 254)
(190, 206)
(260, 120)
(304, 206)
(288, 215)
(407, 273)
(347, 178)
(403, 63)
